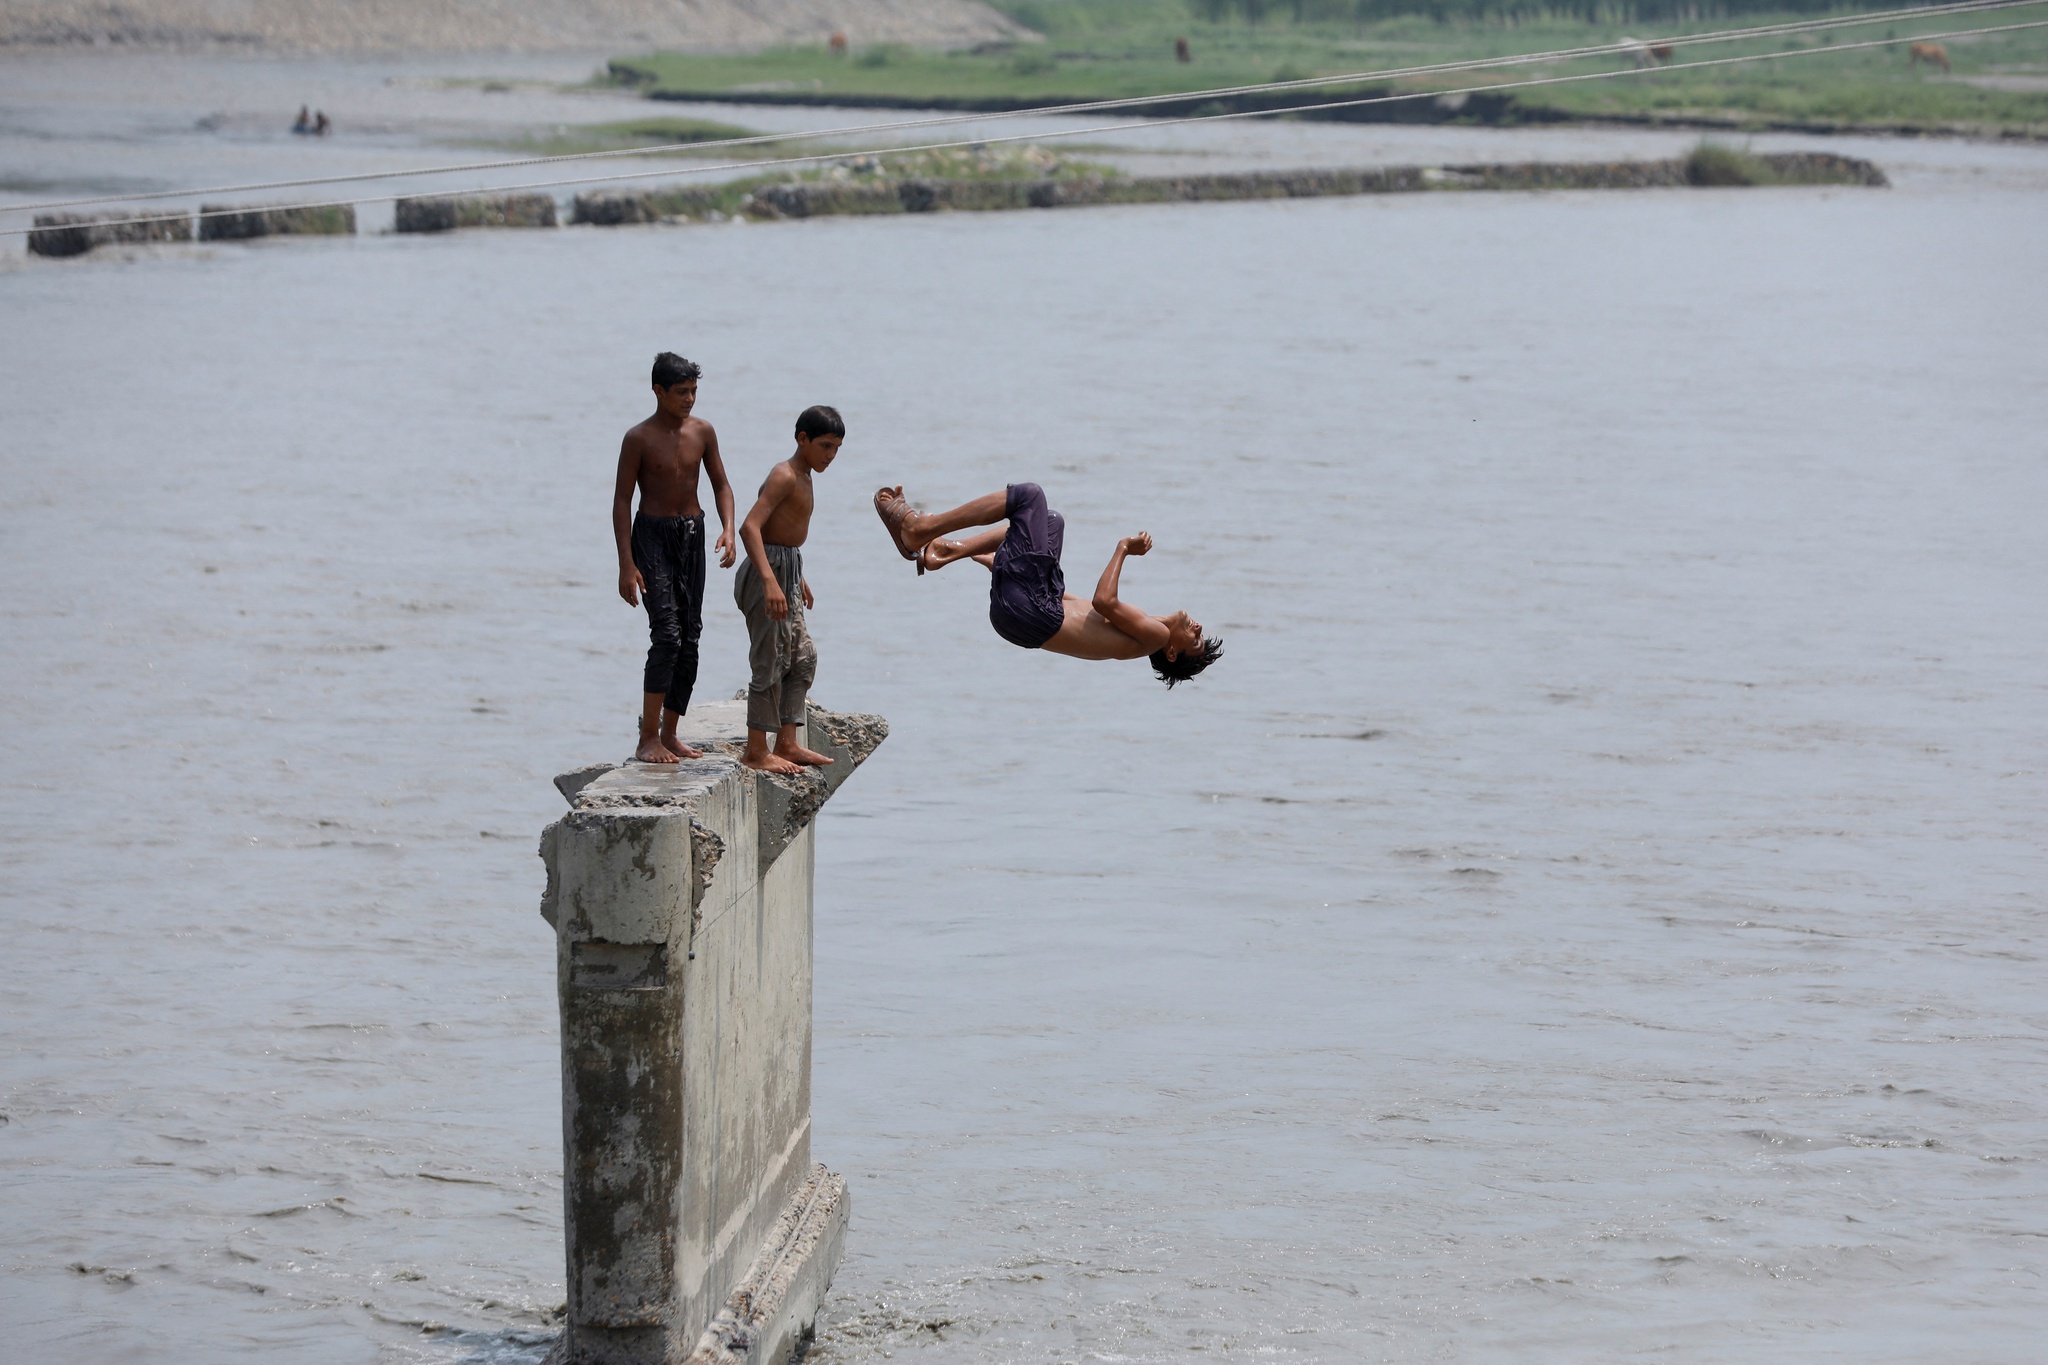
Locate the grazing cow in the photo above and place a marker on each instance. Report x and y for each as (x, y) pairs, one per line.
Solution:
(1638, 52)
(1934, 54)
(1180, 50)
(1661, 51)
(837, 44)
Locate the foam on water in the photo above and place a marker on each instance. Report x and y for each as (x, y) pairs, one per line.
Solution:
(1593, 910)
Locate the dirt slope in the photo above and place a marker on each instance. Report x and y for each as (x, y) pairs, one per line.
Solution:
(384, 26)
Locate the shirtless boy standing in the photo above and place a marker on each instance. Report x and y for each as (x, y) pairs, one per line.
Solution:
(769, 588)
(1028, 601)
(661, 549)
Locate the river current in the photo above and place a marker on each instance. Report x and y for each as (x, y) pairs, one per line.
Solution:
(1592, 912)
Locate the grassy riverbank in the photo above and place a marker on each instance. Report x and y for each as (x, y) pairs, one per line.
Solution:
(1097, 49)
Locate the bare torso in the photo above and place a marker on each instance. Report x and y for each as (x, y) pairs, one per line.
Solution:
(669, 461)
(1087, 634)
(790, 522)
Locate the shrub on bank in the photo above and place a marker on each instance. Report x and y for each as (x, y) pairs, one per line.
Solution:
(1711, 163)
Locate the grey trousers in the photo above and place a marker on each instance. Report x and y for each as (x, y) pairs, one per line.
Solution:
(780, 653)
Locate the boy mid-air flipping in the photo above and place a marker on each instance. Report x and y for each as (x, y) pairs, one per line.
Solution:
(661, 548)
(1028, 601)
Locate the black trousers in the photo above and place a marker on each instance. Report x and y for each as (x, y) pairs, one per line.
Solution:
(669, 552)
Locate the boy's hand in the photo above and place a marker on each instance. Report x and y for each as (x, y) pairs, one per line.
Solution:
(1137, 544)
(725, 548)
(774, 599)
(809, 601)
(631, 585)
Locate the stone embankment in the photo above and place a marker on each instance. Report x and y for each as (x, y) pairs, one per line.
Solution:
(411, 26)
(815, 199)
(68, 235)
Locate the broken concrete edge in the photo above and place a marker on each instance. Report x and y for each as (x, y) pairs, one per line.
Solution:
(786, 802)
(571, 784)
(774, 1308)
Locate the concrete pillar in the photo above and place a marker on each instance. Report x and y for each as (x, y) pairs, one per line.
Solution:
(698, 1230)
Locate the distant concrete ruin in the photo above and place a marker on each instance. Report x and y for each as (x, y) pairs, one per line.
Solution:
(698, 1231)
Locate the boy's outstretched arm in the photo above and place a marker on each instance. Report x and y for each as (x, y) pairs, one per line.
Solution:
(774, 489)
(630, 583)
(721, 496)
(1119, 613)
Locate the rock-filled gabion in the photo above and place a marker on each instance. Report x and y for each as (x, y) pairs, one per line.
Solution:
(218, 223)
(444, 213)
(74, 234)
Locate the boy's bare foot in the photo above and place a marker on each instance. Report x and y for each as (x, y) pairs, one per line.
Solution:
(652, 750)
(797, 753)
(680, 749)
(766, 763)
(938, 554)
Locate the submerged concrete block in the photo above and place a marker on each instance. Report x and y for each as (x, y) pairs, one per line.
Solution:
(74, 234)
(218, 223)
(445, 213)
(613, 208)
(697, 1227)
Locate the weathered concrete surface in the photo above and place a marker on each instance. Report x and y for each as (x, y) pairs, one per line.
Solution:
(445, 213)
(74, 234)
(219, 223)
(771, 1311)
(681, 900)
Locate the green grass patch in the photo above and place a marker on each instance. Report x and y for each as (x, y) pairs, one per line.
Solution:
(882, 171)
(606, 137)
(1712, 163)
(1106, 49)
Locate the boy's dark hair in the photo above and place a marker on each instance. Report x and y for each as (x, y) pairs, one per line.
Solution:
(1190, 662)
(671, 369)
(820, 421)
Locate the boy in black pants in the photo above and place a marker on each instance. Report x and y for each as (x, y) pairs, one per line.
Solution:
(661, 550)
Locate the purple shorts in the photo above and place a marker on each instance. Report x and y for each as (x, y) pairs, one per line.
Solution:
(1027, 591)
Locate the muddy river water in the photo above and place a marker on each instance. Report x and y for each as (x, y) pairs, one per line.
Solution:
(1593, 911)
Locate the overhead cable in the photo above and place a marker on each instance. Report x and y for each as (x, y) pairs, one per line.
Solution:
(1618, 48)
(670, 172)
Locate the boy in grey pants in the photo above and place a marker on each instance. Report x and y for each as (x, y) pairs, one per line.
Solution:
(772, 594)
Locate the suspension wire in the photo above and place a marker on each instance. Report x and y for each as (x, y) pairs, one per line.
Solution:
(771, 162)
(1618, 47)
